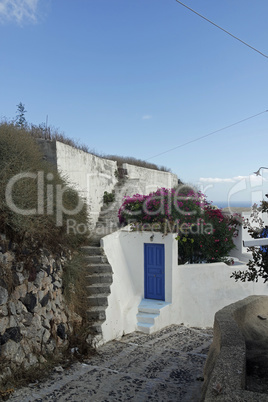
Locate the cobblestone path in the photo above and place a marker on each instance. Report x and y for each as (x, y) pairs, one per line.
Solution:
(164, 366)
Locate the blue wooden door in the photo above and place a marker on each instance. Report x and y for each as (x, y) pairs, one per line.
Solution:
(154, 271)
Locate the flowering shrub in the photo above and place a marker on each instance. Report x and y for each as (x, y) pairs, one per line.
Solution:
(212, 244)
(204, 233)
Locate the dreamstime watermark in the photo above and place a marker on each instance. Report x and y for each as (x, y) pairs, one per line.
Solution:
(49, 197)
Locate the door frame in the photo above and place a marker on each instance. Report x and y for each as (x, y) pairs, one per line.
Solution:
(146, 247)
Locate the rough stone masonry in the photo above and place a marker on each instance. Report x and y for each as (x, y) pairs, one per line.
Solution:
(34, 318)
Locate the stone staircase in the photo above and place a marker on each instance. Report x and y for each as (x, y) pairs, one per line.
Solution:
(98, 282)
(100, 275)
(150, 313)
(108, 221)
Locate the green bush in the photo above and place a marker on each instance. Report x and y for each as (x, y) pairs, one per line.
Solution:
(209, 239)
(108, 197)
(39, 188)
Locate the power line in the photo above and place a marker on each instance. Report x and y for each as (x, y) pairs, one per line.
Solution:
(207, 135)
(224, 30)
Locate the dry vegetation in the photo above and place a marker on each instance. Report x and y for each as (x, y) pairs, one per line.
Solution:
(26, 234)
(49, 133)
(19, 154)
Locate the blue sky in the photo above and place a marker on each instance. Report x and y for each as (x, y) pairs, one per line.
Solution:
(140, 77)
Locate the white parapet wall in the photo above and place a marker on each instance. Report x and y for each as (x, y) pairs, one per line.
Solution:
(241, 251)
(124, 250)
(195, 292)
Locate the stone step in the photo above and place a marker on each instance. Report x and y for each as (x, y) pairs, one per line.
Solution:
(95, 240)
(108, 219)
(98, 288)
(99, 278)
(107, 224)
(96, 259)
(95, 328)
(152, 306)
(103, 230)
(147, 318)
(99, 269)
(146, 328)
(149, 310)
(111, 222)
(97, 300)
(96, 314)
(92, 250)
(108, 215)
(99, 234)
(110, 205)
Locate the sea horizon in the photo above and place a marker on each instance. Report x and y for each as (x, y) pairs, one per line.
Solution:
(233, 204)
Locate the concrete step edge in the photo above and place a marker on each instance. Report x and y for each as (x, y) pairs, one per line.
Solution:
(147, 318)
(92, 250)
(95, 309)
(145, 325)
(149, 310)
(99, 274)
(98, 295)
(145, 329)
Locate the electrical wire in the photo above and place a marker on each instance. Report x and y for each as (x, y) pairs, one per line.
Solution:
(207, 135)
(224, 30)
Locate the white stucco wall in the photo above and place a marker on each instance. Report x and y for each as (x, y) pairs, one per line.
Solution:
(204, 289)
(124, 251)
(195, 292)
(150, 180)
(240, 251)
(88, 174)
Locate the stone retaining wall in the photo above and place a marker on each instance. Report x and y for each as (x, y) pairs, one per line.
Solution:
(91, 175)
(34, 318)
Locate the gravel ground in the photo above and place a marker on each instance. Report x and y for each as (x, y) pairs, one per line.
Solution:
(165, 366)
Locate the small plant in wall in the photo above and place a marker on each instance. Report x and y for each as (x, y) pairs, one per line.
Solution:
(108, 197)
(205, 234)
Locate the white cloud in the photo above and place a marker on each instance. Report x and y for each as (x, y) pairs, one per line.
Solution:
(215, 180)
(147, 117)
(18, 10)
(253, 179)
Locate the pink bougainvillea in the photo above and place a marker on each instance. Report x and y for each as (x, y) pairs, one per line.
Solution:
(204, 232)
